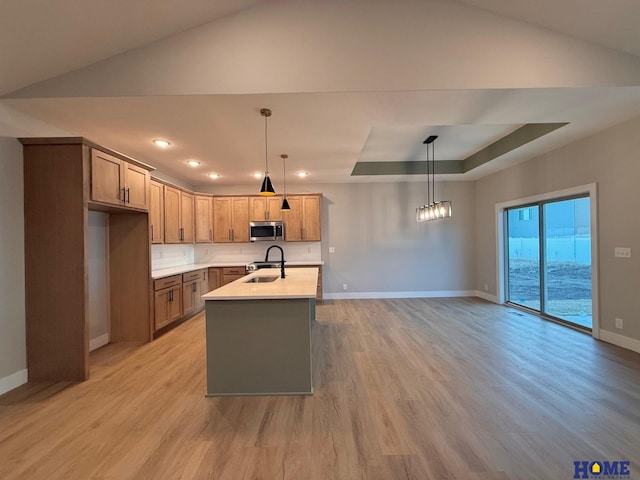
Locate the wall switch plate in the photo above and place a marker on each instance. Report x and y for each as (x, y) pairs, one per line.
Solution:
(344, 286)
(486, 287)
(623, 252)
(332, 250)
(309, 250)
(619, 323)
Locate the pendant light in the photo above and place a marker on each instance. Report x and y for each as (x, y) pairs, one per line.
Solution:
(267, 187)
(285, 202)
(432, 210)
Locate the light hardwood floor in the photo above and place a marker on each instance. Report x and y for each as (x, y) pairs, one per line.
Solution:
(419, 389)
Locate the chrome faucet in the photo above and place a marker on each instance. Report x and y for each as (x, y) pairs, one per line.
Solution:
(266, 258)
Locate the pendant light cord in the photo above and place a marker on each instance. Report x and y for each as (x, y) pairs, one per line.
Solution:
(284, 178)
(428, 178)
(433, 170)
(266, 148)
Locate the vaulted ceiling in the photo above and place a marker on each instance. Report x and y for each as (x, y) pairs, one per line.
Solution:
(347, 81)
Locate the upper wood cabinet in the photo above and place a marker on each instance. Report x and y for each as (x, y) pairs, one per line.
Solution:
(265, 208)
(156, 212)
(204, 218)
(302, 222)
(178, 215)
(117, 182)
(230, 219)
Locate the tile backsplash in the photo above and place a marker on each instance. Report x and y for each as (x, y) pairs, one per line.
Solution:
(248, 252)
(165, 256)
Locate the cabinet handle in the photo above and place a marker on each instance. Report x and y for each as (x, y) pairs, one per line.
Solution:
(193, 288)
(233, 235)
(124, 194)
(229, 234)
(128, 192)
(301, 233)
(266, 215)
(152, 233)
(170, 295)
(210, 235)
(181, 234)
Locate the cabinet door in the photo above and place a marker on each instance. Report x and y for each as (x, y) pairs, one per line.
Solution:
(107, 182)
(215, 278)
(311, 218)
(156, 212)
(186, 217)
(222, 219)
(175, 304)
(203, 287)
(189, 297)
(273, 208)
(161, 310)
(171, 215)
(257, 209)
(240, 219)
(136, 183)
(204, 230)
(293, 220)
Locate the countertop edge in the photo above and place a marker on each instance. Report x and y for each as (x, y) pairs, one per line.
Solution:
(169, 271)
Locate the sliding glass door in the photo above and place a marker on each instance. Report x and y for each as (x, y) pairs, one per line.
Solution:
(549, 259)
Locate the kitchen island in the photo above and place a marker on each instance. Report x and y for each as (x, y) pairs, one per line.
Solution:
(259, 334)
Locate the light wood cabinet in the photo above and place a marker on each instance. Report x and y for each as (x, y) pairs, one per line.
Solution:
(117, 182)
(189, 297)
(167, 306)
(215, 278)
(204, 218)
(178, 215)
(156, 212)
(229, 274)
(265, 208)
(230, 219)
(302, 222)
(203, 287)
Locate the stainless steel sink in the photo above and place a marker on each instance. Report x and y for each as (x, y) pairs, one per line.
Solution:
(264, 279)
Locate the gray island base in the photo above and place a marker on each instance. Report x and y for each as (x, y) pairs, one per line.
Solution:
(259, 336)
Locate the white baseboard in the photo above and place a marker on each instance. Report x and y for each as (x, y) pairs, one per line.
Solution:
(98, 342)
(433, 294)
(13, 381)
(620, 340)
(486, 296)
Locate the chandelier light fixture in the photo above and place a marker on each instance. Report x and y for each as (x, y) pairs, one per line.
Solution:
(267, 187)
(432, 210)
(285, 202)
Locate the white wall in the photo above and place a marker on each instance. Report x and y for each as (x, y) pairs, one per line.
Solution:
(380, 250)
(13, 351)
(610, 159)
(97, 249)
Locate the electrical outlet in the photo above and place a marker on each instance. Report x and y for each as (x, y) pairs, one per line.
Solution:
(309, 250)
(619, 323)
(332, 249)
(622, 252)
(486, 287)
(344, 286)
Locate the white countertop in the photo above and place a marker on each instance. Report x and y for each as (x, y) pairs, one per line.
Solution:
(167, 272)
(299, 283)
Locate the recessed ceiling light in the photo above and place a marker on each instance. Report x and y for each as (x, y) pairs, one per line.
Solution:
(257, 174)
(214, 175)
(193, 163)
(302, 174)
(162, 143)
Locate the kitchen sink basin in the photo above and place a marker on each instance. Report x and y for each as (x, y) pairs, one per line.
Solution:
(264, 279)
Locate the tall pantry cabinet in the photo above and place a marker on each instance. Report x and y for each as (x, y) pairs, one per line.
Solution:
(60, 187)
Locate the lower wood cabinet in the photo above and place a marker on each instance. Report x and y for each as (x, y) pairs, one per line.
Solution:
(179, 296)
(229, 274)
(215, 278)
(167, 300)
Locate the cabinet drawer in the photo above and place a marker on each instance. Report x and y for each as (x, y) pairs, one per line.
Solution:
(195, 275)
(234, 271)
(167, 282)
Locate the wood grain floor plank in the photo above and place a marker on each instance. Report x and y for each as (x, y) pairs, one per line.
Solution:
(404, 389)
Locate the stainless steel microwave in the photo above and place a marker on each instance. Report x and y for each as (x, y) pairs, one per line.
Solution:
(266, 231)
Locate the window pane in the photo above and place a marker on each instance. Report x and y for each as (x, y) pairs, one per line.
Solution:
(567, 271)
(523, 257)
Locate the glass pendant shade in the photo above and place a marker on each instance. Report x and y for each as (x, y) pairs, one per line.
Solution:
(433, 210)
(285, 204)
(267, 187)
